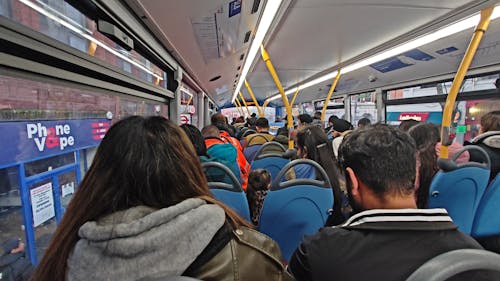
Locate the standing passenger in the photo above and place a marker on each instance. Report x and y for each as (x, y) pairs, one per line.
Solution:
(389, 238)
(489, 140)
(144, 212)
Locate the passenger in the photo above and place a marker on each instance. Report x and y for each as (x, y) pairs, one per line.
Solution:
(218, 148)
(144, 212)
(313, 144)
(329, 129)
(489, 140)
(14, 265)
(304, 120)
(426, 137)
(218, 120)
(317, 120)
(282, 136)
(259, 183)
(228, 154)
(389, 238)
(363, 122)
(340, 128)
(405, 125)
(262, 136)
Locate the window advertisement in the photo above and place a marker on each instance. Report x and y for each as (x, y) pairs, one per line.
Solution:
(363, 106)
(188, 107)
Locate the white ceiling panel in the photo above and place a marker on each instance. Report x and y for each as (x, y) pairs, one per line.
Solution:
(311, 37)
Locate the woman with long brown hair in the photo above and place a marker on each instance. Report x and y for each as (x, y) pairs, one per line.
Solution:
(312, 143)
(144, 211)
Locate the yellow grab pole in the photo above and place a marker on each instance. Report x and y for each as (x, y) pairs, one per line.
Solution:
(447, 134)
(329, 96)
(245, 103)
(294, 97)
(238, 106)
(270, 67)
(266, 102)
(261, 114)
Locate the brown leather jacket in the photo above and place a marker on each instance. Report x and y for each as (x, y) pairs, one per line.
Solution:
(249, 255)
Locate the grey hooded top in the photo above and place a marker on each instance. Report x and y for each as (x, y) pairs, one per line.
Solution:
(142, 243)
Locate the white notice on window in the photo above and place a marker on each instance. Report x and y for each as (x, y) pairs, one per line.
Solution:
(68, 189)
(42, 204)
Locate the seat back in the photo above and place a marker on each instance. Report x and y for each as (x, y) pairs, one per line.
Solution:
(270, 157)
(451, 263)
(459, 187)
(487, 220)
(295, 207)
(252, 149)
(230, 194)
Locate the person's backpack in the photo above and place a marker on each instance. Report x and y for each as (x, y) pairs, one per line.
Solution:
(14, 267)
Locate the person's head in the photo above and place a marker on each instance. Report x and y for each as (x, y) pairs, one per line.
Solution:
(305, 119)
(490, 122)
(426, 136)
(379, 165)
(497, 83)
(363, 122)
(259, 179)
(218, 119)
(317, 115)
(196, 139)
(405, 125)
(253, 115)
(141, 161)
(210, 131)
(262, 125)
(340, 126)
(331, 119)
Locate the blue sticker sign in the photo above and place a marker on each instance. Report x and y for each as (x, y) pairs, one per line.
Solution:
(446, 50)
(26, 140)
(389, 64)
(416, 54)
(234, 8)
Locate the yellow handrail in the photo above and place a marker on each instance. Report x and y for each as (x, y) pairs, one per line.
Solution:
(261, 114)
(272, 71)
(238, 106)
(447, 133)
(329, 96)
(294, 96)
(245, 103)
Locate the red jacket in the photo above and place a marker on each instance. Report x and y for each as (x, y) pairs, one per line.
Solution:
(242, 161)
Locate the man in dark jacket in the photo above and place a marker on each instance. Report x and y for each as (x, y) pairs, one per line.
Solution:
(389, 237)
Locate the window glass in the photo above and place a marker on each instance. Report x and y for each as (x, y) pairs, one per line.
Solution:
(60, 21)
(11, 216)
(363, 106)
(433, 89)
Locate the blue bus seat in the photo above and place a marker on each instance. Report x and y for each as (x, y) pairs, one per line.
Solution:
(487, 220)
(251, 150)
(231, 195)
(270, 158)
(295, 207)
(459, 188)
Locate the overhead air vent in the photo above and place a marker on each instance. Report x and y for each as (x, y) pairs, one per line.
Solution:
(242, 56)
(239, 67)
(255, 7)
(215, 78)
(247, 36)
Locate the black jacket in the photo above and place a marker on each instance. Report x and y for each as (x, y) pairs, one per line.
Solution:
(378, 245)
